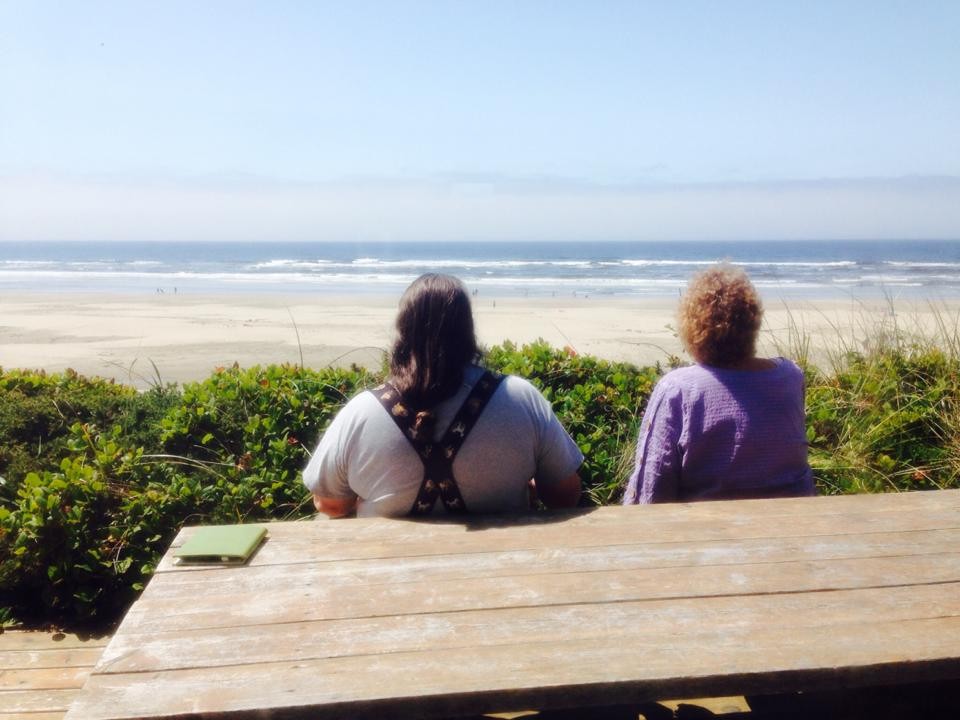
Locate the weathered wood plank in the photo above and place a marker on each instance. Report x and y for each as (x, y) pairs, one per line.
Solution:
(22, 702)
(546, 560)
(41, 672)
(61, 678)
(35, 640)
(307, 548)
(550, 673)
(576, 519)
(374, 618)
(35, 659)
(373, 538)
(275, 603)
(627, 622)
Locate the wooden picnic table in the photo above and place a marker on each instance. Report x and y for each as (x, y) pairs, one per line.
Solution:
(394, 618)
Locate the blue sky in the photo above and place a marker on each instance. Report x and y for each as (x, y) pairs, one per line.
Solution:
(479, 120)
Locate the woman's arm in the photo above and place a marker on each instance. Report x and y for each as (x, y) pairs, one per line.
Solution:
(656, 474)
(326, 474)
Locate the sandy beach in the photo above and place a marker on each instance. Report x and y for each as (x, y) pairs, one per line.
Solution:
(133, 339)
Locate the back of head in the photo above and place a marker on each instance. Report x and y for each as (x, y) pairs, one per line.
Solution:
(720, 315)
(435, 340)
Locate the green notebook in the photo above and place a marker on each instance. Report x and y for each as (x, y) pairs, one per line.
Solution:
(221, 544)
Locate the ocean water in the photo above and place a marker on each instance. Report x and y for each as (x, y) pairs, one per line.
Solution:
(621, 269)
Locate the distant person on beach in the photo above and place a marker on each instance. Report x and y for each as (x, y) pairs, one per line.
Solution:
(442, 435)
(733, 424)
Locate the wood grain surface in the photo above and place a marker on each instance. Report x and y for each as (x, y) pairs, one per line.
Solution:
(373, 617)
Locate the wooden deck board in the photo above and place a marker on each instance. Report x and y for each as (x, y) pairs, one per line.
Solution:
(374, 618)
(14, 640)
(28, 702)
(53, 658)
(42, 672)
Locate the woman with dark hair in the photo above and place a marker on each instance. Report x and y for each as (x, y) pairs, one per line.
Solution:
(733, 424)
(442, 434)
(435, 340)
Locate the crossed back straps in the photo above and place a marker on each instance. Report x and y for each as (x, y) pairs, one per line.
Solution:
(437, 457)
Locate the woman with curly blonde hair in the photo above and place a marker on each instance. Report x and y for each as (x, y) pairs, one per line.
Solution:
(733, 424)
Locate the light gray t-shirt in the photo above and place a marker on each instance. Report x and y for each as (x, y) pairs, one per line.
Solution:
(517, 437)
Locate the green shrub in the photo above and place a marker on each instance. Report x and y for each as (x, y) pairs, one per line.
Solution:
(65, 555)
(38, 409)
(251, 429)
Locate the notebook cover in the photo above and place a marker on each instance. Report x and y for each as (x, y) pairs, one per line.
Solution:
(221, 544)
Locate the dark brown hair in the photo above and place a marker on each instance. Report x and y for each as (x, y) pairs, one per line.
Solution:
(720, 316)
(435, 340)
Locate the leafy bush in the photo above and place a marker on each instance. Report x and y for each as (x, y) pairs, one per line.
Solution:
(100, 478)
(66, 553)
(84, 534)
(248, 428)
(38, 410)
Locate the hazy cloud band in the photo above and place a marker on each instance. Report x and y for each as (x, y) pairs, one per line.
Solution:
(43, 208)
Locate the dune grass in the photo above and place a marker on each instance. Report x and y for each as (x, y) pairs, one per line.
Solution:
(883, 395)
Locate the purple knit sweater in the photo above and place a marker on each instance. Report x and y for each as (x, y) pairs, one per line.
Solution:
(711, 434)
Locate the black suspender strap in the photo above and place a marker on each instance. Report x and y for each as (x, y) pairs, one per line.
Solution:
(437, 457)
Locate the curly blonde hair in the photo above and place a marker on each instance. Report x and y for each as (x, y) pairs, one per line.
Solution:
(720, 315)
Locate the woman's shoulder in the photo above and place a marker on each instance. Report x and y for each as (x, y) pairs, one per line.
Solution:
(363, 402)
(698, 378)
(764, 368)
(516, 391)
(518, 386)
(676, 383)
(682, 376)
(788, 367)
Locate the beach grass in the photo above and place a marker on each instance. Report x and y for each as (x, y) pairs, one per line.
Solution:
(882, 400)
